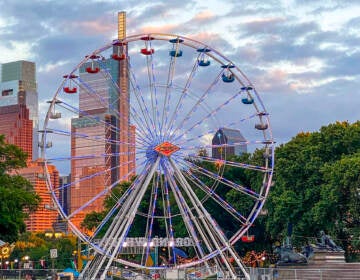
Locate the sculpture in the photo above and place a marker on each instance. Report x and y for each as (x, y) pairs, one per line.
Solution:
(326, 243)
(287, 255)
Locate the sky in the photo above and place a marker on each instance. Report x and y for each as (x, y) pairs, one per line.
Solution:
(302, 56)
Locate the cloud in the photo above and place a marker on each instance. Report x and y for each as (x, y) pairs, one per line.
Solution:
(302, 56)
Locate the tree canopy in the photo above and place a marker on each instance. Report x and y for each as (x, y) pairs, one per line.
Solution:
(317, 185)
(17, 197)
(317, 179)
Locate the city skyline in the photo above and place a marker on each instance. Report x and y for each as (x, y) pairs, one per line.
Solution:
(301, 57)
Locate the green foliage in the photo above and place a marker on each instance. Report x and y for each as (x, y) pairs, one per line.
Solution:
(93, 219)
(317, 179)
(338, 209)
(11, 157)
(17, 197)
(317, 176)
(37, 247)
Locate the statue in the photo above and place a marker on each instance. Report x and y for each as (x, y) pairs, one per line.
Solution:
(308, 251)
(326, 243)
(287, 256)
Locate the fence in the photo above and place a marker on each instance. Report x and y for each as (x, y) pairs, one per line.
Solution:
(280, 273)
(21, 274)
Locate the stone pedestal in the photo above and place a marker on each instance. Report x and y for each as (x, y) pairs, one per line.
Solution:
(324, 257)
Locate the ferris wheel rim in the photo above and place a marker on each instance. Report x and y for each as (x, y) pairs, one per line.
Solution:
(164, 37)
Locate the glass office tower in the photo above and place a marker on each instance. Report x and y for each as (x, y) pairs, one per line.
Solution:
(19, 105)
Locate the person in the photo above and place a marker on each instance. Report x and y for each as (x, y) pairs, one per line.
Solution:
(33, 277)
(27, 276)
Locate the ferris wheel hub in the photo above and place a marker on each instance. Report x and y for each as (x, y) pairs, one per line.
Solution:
(166, 149)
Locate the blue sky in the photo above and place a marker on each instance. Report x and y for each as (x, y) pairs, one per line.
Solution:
(302, 56)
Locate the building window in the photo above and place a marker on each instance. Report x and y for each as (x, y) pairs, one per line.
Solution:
(7, 92)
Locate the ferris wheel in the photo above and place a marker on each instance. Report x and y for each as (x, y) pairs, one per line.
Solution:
(170, 151)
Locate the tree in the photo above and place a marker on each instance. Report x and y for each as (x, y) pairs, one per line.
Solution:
(338, 210)
(93, 219)
(17, 197)
(37, 247)
(315, 173)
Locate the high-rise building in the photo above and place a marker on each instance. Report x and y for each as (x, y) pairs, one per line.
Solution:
(17, 127)
(19, 106)
(228, 142)
(46, 215)
(19, 124)
(90, 176)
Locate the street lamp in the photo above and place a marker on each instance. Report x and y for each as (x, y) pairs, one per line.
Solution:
(16, 263)
(26, 263)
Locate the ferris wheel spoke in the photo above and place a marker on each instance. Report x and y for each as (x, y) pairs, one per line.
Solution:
(110, 242)
(171, 71)
(96, 96)
(93, 119)
(211, 114)
(215, 233)
(215, 197)
(124, 204)
(142, 127)
(167, 208)
(214, 130)
(85, 115)
(142, 117)
(185, 210)
(153, 92)
(221, 179)
(151, 214)
(212, 228)
(196, 105)
(139, 119)
(147, 119)
(221, 162)
(197, 148)
(91, 156)
(120, 202)
(94, 175)
(184, 92)
(201, 228)
(119, 241)
(99, 195)
(91, 92)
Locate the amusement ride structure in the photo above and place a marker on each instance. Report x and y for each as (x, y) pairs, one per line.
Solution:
(183, 208)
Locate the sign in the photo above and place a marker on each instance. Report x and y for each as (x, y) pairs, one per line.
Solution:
(53, 253)
(27, 265)
(159, 242)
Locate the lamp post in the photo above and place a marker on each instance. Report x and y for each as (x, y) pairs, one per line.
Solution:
(26, 263)
(16, 263)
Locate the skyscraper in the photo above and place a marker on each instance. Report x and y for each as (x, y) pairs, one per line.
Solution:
(17, 127)
(45, 216)
(19, 106)
(19, 124)
(90, 176)
(228, 142)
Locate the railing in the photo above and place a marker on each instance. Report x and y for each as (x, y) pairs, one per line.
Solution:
(304, 273)
(280, 273)
(17, 274)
